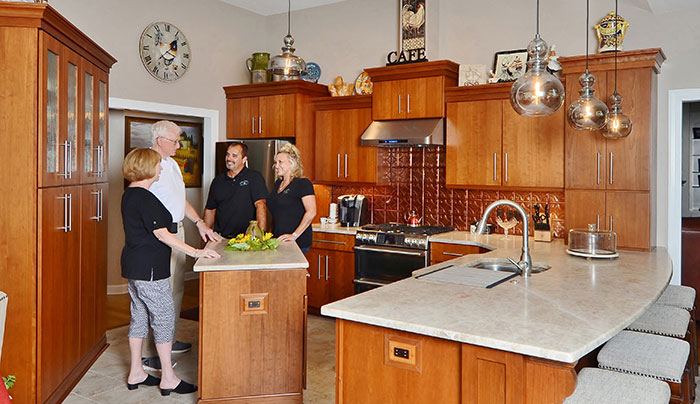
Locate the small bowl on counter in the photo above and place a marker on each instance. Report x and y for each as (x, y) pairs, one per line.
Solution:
(592, 243)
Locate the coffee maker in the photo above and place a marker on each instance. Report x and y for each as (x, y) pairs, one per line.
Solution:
(352, 210)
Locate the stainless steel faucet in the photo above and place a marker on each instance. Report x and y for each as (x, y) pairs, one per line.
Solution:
(525, 263)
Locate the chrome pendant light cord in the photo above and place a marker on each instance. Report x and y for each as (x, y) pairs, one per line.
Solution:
(617, 40)
(289, 17)
(538, 20)
(587, 16)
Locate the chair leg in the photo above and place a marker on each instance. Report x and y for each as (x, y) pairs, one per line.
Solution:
(676, 393)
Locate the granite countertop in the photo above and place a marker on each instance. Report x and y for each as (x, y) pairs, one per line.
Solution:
(561, 314)
(334, 228)
(286, 256)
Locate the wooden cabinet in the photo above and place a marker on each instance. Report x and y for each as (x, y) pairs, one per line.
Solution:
(331, 269)
(411, 91)
(340, 158)
(616, 173)
(262, 117)
(490, 145)
(54, 264)
(441, 252)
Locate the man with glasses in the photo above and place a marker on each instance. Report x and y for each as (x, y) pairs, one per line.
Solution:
(170, 190)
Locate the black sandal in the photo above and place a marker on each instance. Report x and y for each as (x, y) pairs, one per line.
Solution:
(149, 381)
(182, 388)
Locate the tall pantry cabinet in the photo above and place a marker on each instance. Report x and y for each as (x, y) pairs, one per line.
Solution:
(53, 126)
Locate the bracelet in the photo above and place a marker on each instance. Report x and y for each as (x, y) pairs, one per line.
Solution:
(296, 236)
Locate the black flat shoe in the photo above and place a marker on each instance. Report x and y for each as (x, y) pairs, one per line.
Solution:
(149, 381)
(182, 388)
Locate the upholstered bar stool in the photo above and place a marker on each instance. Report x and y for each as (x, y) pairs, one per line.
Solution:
(670, 321)
(598, 386)
(683, 297)
(655, 356)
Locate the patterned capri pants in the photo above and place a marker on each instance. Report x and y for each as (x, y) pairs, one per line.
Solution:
(152, 303)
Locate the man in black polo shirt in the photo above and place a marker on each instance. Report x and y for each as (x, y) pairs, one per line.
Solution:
(237, 196)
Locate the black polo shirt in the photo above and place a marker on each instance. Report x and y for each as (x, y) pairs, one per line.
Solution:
(287, 208)
(234, 200)
(144, 257)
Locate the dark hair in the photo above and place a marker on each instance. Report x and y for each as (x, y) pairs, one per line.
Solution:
(244, 148)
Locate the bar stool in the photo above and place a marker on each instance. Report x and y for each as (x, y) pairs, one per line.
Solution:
(669, 321)
(598, 386)
(655, 356)
(683, 297)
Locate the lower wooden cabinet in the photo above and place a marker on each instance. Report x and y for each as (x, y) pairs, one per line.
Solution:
(331, 269)
(627, 213)
(441, 252)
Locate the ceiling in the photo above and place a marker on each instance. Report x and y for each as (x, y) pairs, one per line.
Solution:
(269, 7)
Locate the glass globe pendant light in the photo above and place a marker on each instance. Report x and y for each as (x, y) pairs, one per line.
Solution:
(619, 125)
(587, 112)
(537, 92)
(286, 65)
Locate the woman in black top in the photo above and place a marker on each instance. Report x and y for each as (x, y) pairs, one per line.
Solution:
(292, 201)
(146, 264)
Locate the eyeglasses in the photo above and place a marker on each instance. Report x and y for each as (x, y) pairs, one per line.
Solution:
(175, 142)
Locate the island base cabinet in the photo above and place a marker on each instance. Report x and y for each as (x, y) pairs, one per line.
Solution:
(252, 336)
(380, 365)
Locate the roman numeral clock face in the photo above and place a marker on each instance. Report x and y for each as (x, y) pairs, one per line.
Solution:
(165, 52)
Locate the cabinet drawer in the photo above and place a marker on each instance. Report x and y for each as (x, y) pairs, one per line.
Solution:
(333, 241)
(440, 252)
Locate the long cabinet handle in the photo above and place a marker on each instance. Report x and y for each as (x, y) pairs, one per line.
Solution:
(328, 241)
(452, 254)
(100, 205)
(598, 169)
(346, 166)
(338, 166)
(611, 223)
(64, 174)
(319, 266)
(69, 170)
(97, 206)
(597, 222)
(65, 227)
(399, 104)
(611, 168)
(252, 125)
(326, 267)
(506, 171)
(495, 168)
(408, 103)
(260, 125)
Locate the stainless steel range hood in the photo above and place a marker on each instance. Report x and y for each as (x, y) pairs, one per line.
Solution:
(406, 132)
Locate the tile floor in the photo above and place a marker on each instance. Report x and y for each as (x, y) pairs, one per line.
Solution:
(105, 382)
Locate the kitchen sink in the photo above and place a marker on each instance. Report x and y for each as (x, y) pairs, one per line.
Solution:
(505, 265)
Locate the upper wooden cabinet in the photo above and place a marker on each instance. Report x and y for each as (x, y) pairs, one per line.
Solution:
(594, 162)
(340, 158)
(281, 109)
(411, 91)
(490, 145)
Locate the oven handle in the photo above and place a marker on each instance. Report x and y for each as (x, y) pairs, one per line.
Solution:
(392, 251)
(366, 282)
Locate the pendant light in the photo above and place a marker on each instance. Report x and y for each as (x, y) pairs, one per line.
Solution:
(587, 112)
(537, 92)
(619, 125)
(286, 65)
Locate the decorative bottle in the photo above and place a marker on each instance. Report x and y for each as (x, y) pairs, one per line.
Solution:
(254, 230)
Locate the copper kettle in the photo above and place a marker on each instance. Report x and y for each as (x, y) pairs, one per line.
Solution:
(412, 219)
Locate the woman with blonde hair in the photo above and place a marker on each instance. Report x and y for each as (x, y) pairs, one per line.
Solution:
(292, 202)
(145, 264)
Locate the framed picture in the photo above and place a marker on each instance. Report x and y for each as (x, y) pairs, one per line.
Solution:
(188, 156)
(411, 24)
(509, 65)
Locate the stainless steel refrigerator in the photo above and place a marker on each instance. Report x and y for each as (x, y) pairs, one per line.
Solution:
(261, 156)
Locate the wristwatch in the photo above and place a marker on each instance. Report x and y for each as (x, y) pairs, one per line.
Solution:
(296, 236)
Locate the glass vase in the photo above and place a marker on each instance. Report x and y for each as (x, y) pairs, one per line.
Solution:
(254, 230)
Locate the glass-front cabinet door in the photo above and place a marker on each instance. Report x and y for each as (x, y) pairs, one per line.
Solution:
(102, 122)
(72, 116)
(94, 133)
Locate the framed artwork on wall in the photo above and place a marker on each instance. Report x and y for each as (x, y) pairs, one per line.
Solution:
(189, 156)
(509, 65)
(411, 24)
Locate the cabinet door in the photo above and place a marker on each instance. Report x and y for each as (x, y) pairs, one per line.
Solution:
(52, 101)
(73, 125)
(533, 149)
(316, 285)
(628, 159)
(424, 97)
(94, 124)
(628, 215)
(277, 116)
(585, 150)
(329, 147)
(441, 252)
(242, 118)
(473, 151)
(59, 286)
(101, 133)
(359, 162)
(388, 100)
(340, 272)
(584, 208)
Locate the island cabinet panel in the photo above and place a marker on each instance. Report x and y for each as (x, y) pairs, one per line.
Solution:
(340, 158)
(441, 252)
(252, 320)
(331, 269)
(381, 365)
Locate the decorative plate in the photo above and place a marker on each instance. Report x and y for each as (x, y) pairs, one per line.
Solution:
(363, 84)
(312, 73)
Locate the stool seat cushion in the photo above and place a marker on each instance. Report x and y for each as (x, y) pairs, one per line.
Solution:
(645, 355)
(663, 320)
(598, 386)
(678, 296)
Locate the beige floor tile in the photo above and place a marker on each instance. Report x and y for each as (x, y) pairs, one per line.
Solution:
(94, 383)
(76, 399)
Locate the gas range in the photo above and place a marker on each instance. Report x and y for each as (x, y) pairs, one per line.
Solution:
(398, 235)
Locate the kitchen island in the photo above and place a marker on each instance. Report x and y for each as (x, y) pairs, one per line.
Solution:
(252, 332)
(418, 341)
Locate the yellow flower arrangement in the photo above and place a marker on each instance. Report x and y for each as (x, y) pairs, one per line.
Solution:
(243, 242)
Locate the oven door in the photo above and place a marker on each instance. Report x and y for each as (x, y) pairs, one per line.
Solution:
(380, 265)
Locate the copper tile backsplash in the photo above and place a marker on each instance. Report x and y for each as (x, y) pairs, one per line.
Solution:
(415, 178)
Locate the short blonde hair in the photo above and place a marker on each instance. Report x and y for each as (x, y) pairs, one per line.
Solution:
(162, 128)
(294, 158)
(140, 164)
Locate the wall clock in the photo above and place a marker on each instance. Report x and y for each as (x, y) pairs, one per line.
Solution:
(165, 52)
